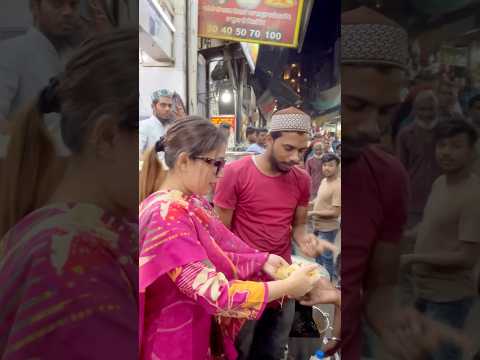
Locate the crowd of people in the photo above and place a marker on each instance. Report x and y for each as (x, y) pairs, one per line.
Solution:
(434, 136)
(437, 145)
(404, 201)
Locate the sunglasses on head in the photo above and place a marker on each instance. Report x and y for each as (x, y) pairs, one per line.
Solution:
(218, 163)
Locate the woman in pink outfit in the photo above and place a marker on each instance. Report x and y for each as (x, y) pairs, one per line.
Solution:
(198, 281)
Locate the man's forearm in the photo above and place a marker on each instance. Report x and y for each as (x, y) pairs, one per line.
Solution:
(298, 233)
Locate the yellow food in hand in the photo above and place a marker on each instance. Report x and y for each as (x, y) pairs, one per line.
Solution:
(285, 271)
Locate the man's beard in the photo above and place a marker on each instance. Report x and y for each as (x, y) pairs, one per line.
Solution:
(277, 166)
(67, 40)
(164, 121)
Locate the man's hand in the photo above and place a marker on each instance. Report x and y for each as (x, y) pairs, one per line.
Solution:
(308, 245)
(323, 245)
(322, 293)
(312, 247)
(273, 263)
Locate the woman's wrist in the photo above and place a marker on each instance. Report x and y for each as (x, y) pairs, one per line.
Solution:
(288, 286)
(278, 289)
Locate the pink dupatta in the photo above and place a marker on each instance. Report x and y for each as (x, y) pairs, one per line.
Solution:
(176, 230)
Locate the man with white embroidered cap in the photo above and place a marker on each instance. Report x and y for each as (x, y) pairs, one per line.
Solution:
(264, 200)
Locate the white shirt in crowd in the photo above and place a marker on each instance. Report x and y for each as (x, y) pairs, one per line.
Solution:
(27, 63)
(151, 130)
(255, 148)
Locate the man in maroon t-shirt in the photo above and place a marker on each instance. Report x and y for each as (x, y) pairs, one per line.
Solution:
(374, 183)
(264, 200)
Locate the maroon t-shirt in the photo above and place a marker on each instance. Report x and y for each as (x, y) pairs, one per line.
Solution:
(374, 208)
(264, 206)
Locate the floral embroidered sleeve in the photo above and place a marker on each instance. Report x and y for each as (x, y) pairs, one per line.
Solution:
(236, 298)
(247, 260)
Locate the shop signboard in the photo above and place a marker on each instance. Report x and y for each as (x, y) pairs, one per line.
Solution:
(224, 119)
(270, 22)
(230, 120)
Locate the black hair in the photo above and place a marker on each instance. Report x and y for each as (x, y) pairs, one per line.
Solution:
(451, 128)
(330, 157)
(250, 130)
(262, 130)
(473, 100)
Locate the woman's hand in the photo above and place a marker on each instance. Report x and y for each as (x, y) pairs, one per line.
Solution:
(302, 280)
(273, 263)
